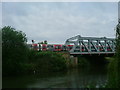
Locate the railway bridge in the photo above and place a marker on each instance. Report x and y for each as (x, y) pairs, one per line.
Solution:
(91, 46)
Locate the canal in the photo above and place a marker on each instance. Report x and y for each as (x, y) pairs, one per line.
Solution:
(73, 78)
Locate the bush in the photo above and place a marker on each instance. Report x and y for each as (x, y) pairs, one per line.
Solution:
(47, 61)
(111, 74)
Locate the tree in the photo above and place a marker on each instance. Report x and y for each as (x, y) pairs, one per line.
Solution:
(45, 42)
(114, 67)
(14, 50)
(118, 54)
(40, 43)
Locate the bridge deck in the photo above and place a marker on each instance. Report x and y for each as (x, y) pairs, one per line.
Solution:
(92, 53)
(109, 54)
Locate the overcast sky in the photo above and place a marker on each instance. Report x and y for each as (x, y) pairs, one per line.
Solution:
(56, 22)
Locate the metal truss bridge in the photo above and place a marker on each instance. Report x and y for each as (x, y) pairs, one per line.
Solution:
(91, 45)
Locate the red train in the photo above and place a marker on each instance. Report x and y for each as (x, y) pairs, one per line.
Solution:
(61, 47)
(50, 47)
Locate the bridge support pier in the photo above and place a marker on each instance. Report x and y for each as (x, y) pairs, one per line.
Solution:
(74, 61)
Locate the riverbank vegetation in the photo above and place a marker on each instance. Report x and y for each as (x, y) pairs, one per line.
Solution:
(17, 59)
(46, 62)
(114, 67)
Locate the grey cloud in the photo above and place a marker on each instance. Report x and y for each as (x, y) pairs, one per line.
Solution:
(56, 25)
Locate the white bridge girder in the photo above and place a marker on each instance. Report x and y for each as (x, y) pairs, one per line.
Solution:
(91, 45)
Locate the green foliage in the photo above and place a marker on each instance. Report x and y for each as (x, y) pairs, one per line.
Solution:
(40, 43)
(48, 61)
(14, 50)
(114, 67)
(112, 82)
(117, 61)
(18, 59)
(117, 65)
(45, 42)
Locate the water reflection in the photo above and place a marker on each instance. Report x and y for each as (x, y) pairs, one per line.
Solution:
(75, 78)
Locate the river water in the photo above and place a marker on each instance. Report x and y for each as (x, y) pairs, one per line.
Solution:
(74, 78)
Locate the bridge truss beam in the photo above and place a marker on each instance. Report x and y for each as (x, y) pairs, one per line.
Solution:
(91, 45)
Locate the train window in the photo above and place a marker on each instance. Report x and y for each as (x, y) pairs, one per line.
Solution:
(57, 47)
(64, 47)
(70, 47)
(48, 46)
(44, 47)
(35, 47)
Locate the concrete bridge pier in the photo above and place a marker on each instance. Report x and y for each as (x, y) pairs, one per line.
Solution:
(74, 60)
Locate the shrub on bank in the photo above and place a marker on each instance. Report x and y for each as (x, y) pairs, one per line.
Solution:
(112, 78)
(46, 61)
